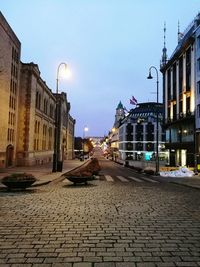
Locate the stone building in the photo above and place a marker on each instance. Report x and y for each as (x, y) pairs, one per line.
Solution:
(27, 108)
(10, 49)
(36, 118)
(66, 123)
(181, 92)
(137, 132)
(70, 137)
(36, 125)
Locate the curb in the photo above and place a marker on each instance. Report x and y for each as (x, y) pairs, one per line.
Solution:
(61, 176)
(42, 183)
(186, 185)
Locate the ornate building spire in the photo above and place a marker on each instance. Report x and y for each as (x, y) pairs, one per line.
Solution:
(178, 31)
(120, 113)
(164, 51)
(180, 34)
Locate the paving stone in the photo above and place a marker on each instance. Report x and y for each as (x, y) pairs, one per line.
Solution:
(54, 260)
(35, 260)
(39, 265)
(125, 264)
(104, 264)
(165, 264)
(24, 265)
(146, 264)
(82, 264)
(112, 259)
(186, 264)
(61, 265)
(93, 259)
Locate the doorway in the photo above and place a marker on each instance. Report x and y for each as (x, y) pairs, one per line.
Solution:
(9, 155)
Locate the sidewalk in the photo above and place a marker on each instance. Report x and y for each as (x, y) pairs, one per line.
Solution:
(43, 173)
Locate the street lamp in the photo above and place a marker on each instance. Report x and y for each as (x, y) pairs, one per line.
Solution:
(56, 155)
(157, 130)
(85, 129)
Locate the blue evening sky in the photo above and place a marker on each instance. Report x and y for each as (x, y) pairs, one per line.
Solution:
(108, 45)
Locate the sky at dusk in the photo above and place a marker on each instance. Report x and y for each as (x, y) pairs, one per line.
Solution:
(108, 46)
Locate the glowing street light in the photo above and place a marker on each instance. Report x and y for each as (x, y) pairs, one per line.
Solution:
(157, 130)
(57, 163)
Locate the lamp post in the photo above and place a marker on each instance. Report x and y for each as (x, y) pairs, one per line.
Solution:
(85, 129)
(157, 126)
(56, 155)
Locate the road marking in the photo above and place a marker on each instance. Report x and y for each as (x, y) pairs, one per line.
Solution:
(122, 179)
(135, 179)
(149, 180)
(109, 178)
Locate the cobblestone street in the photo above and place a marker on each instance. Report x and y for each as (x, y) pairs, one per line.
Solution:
(100, 225)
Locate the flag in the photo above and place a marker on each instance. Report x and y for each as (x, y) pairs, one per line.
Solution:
(133, 101)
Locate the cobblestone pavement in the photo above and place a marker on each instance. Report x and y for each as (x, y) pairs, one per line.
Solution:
(101, 224)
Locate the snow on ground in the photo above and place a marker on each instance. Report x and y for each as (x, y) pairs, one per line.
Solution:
(182, 172)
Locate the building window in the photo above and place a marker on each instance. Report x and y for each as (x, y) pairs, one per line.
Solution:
(169, 84)
(139, 128)
(51, 111)
(8, 135)
(50, 139)
(150, 146)
(45, 106)
(174, 80)
(38, 100)
(188, 69)
(198, 87)
(180, 106)
(35, 126)
(174, 112)
(198, 111)
(168, 113)
(129, 146)
(139, 146)
(198, 42)
(44, 137)
(198, 64)
(174, 135)
(35, 142)
(188, 104)
(180, 75)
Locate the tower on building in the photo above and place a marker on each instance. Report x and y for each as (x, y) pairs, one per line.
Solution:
(120, 114)
(164, 51)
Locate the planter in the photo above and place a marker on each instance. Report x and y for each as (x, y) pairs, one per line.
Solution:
(149, 171)
(20, 185)
(80, 180)
(85, 173)
(18, 180)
